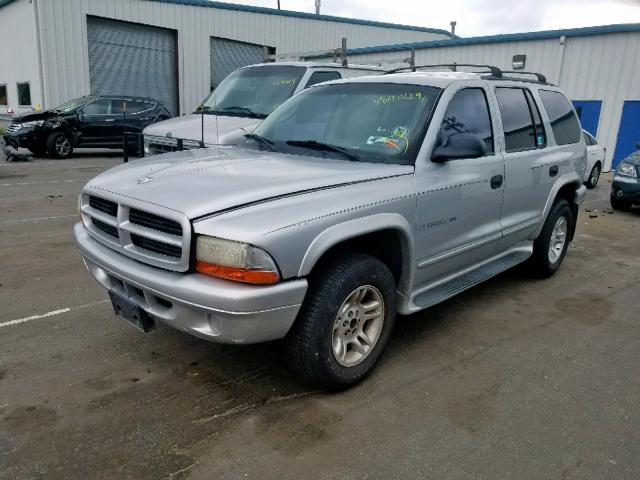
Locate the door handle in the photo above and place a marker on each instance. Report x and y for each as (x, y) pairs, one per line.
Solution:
(553, 170)
(496, 181)
(110, 120)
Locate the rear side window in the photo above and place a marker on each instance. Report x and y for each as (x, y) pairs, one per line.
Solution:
(468, 113)
(518, 120)
(564, 123)
(133, 107)
(319, 77)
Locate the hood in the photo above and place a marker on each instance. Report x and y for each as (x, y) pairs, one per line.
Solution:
(633, 159)
(31, 117)
(190, 126)
(206, 181)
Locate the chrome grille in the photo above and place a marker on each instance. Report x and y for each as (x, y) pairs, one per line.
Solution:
(13, 128)
(159, 240)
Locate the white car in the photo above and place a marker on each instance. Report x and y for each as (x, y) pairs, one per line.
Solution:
(241, 101)
(595, 160)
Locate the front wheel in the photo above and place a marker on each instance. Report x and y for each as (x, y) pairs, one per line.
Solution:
(345, 322)
(594, 176)
(59, 145)
(550, 248)
(619, 203)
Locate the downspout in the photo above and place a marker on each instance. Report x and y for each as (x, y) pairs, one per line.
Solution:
(39, 54)
(563, 41)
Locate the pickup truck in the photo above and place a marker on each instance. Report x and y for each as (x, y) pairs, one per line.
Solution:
(354, 201)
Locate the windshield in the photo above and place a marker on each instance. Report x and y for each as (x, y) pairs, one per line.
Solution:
(73, 104)
(368, 122)
(254, 91)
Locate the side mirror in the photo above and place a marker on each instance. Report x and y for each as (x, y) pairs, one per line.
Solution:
(638, 145)
(459, 145)
(80, 115)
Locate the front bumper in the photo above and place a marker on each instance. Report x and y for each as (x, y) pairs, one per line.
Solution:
(626, 188)
(209, 308)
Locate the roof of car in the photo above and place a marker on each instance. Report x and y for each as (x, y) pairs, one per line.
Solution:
(123, 97)
(440, 79)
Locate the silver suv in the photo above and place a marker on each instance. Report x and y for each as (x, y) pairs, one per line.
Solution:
(355, 200)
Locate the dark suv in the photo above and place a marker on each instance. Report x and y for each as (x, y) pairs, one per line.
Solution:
(86, 122)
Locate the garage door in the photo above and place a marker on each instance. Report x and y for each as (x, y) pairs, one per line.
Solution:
(227, 55)
(589, 114)
(132, 59)
(629, 131)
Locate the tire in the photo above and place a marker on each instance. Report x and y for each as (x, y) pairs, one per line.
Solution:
(59, 145)
(594, 176)
(319, 331)
(620, 204)
(544, 262)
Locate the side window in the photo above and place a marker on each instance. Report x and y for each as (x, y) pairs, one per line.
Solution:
(24, 94)
(3, 96)
(517, 122)
(133, 107)
(468, 112)
(101, 107)
(564, 123)
(319, 77)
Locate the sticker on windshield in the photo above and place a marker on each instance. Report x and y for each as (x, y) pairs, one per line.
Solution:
(284, 82)
(397, 140)
(404, 97)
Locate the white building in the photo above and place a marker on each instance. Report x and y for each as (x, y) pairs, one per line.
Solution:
(598, 67)
(173, 50)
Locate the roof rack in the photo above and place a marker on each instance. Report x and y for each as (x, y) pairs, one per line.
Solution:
(541, 78)
(494, 71)
(338, 54)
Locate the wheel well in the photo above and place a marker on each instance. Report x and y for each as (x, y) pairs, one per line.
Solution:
(568, 193)
(385, 245)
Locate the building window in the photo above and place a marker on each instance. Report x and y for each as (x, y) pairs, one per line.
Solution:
(3, 96)
(24, 94)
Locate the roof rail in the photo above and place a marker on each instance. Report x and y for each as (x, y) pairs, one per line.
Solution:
(338, 54)
(541, 78)
(495, 71)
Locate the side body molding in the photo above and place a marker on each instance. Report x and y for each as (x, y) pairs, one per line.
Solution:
(361, 226)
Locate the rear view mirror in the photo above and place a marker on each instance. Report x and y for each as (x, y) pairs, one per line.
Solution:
(459, 145)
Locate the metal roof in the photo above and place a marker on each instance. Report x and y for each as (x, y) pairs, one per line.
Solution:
(287, 13)
(509, 37)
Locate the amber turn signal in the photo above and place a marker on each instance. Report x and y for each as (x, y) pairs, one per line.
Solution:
(261, 277)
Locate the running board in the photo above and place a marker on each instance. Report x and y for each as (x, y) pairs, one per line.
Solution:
(452, 287)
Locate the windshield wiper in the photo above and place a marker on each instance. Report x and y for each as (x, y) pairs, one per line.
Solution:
(327, 147)
(261, 140)
(246, 110)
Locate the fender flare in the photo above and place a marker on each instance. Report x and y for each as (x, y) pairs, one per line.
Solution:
(341, 232)
(567, 179)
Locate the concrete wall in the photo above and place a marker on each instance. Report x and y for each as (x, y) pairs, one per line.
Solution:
(595, 67)
(64, 39)
(18, 54)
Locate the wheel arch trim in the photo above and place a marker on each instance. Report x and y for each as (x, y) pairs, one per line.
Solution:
(351, 229)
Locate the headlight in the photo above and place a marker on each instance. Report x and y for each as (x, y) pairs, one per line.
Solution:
(35, 123)
(627, 170)
(234, 261)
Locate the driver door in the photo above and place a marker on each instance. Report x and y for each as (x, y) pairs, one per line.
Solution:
(459, 200)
